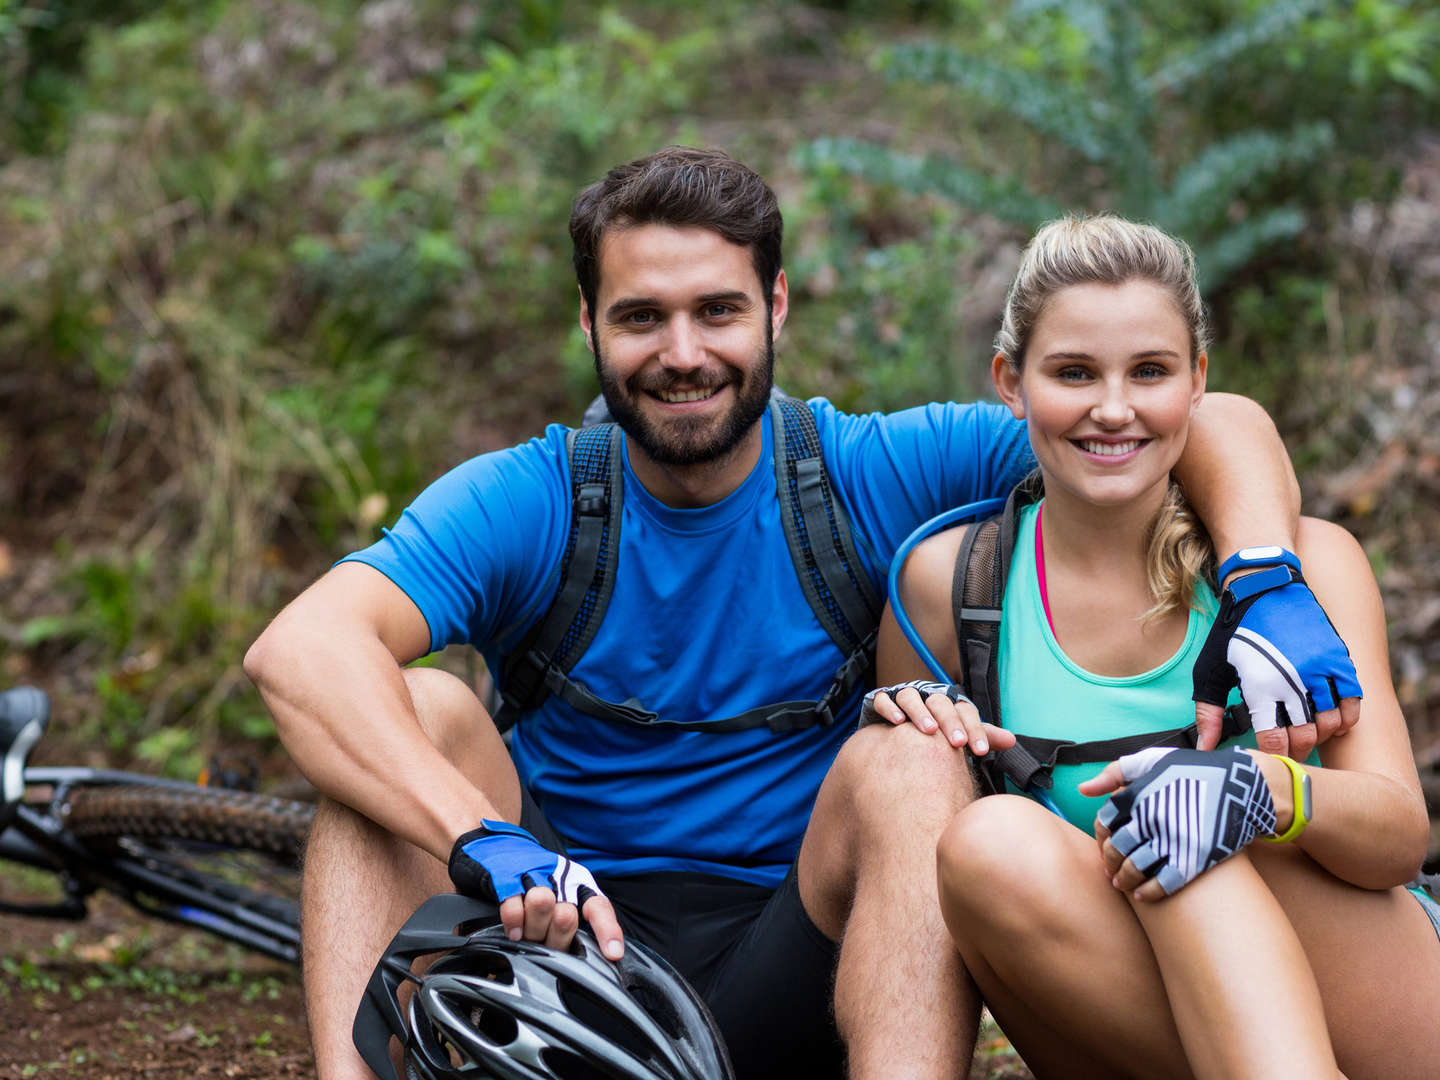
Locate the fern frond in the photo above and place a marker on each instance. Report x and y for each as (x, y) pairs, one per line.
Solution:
(1217, 260)
(1269, 24)
(1062, 114)
(1087, 16)
(1204, 188)
(931, 175)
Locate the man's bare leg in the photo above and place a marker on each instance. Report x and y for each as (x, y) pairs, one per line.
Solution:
(361, 883)
(904, 1004)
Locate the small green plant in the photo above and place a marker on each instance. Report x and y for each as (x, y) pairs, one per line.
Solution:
(1112, 132)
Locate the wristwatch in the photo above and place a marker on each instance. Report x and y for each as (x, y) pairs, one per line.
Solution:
(1254, 557)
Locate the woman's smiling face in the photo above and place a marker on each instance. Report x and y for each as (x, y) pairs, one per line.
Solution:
(1107, 388)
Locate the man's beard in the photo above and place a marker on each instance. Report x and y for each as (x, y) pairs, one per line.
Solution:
(686, 440)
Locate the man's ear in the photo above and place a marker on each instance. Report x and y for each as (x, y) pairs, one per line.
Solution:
(779, 304)
(1007, 385)
(586, 326)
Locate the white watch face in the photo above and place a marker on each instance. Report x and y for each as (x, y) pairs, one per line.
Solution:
(1252, 553)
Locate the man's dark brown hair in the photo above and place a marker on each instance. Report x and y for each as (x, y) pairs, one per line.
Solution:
(679, 186)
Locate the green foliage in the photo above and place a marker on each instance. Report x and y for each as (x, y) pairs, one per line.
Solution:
(1158, 121)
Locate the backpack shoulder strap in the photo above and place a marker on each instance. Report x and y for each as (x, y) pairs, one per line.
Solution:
(818, 531)
(587, 574)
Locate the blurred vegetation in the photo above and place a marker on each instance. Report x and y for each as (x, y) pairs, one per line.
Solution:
(269, 267)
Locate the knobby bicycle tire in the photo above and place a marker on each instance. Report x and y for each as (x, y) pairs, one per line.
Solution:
(225, 819)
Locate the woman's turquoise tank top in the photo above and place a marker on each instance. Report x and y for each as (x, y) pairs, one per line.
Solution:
(1046, 694)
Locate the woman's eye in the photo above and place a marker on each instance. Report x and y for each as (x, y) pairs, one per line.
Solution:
(1072, 374)
(1151, 371)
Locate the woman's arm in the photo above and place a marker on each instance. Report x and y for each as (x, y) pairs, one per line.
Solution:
(924, 585)
(1369, 827)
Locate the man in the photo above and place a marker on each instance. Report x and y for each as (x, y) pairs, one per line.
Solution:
(701, 836)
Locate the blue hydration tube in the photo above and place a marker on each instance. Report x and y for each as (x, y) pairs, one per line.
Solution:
(968, 512)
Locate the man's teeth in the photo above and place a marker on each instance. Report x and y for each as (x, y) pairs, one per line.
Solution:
(1105, 449)
(679, 397)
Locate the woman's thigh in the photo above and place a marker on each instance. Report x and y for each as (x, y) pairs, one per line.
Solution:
(1060, 958)
(1376, 958)
(1070, 974)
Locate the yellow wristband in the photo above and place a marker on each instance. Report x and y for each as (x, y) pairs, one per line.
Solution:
(1301, 798)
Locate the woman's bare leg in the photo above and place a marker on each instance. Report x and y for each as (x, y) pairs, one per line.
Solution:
(1071, 972)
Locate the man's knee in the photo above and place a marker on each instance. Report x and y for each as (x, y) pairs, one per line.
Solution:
(902, 769)
(448, 711)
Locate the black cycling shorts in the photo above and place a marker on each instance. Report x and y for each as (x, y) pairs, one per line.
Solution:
(751, 952)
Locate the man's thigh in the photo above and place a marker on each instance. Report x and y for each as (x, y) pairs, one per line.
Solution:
(763, 968)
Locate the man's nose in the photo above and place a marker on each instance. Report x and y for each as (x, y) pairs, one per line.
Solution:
(683, 349)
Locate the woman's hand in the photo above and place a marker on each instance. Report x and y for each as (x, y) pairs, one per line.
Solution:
(1176, 813)
(932, 707)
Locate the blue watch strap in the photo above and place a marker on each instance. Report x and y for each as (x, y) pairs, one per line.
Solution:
(1245, 558)
(1272, 577)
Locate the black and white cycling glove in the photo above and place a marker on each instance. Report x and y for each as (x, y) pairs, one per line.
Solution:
(868, 715)
(500, 860)
(1183, 811)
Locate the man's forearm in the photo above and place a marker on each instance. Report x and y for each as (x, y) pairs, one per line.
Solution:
(1237, 474)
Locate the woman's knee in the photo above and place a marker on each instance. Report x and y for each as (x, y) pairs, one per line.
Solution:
(1002, 860)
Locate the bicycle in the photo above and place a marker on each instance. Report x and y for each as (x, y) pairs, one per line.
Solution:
(220, 860)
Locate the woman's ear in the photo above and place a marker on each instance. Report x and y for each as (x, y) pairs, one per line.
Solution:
(1197, 378)
(1007, 385)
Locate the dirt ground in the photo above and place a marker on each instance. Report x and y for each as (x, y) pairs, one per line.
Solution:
(120, 996)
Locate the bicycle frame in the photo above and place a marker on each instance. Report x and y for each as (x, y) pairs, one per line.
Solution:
(35, 834)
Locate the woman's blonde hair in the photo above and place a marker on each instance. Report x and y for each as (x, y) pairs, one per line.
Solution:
(1108, 250)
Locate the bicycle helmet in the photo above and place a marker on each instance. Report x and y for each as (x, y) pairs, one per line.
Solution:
(518, 1010)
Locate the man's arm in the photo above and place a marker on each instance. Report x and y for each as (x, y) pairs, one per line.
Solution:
(329, 669)
(1237, 475)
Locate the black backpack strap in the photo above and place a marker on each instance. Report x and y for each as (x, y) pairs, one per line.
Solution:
(1031, 759)
(543, 659)
(817, 532)
(977, 594)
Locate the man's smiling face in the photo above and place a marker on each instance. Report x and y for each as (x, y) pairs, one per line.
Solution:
(683, 340)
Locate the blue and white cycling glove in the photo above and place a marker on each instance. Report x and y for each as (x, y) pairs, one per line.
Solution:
(500, 860)
(1273, 639)
(868, 715)
(1183, 811)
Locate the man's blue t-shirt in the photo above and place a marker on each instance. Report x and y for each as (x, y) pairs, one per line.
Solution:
(707, 620)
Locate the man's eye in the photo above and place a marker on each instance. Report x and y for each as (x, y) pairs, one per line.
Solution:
(640, 318)
(717, 311)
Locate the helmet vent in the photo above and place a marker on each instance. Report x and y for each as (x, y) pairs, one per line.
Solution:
(603, 1019)
(567, 1066)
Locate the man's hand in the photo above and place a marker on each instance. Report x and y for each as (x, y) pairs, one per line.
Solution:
(1175, 814)
(541, 894)
(1295, 674)
(933, 706)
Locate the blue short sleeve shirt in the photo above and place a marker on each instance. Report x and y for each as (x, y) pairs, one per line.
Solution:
(707, 620)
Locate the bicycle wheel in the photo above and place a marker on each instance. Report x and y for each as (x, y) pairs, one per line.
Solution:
(234, 819)
(225, 861)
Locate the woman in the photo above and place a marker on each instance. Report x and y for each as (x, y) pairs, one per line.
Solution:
(1282, 960)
